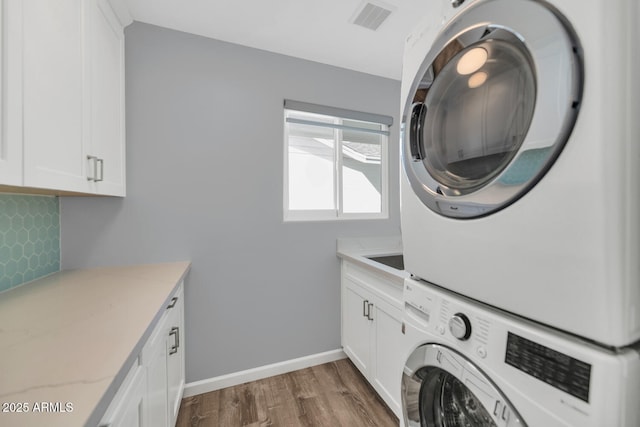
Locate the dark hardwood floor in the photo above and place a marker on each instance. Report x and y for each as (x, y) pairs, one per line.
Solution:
(332, 394)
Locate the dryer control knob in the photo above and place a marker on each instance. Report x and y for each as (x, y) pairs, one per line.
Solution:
(460, 326)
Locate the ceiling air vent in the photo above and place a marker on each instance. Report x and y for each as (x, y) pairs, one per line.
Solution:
(371, 15)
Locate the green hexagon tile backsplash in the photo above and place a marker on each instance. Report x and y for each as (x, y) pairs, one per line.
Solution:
(29, 238)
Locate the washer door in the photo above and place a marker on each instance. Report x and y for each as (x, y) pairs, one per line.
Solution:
(491, 107)
(441, 388)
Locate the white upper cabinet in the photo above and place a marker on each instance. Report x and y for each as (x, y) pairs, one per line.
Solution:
(10, 94)
(107, 100)
(72, 100)
(53, 91)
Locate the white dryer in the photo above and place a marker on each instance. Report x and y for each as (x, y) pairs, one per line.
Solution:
(521, 159)
(473, 366)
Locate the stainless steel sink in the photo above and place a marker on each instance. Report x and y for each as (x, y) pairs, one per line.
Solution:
(393, 261)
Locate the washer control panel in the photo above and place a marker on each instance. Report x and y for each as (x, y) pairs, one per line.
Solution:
(554, 368)
(508, 345)
(415, 297)
(446, 318)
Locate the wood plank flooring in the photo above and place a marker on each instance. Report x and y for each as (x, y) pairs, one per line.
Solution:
(332, 394)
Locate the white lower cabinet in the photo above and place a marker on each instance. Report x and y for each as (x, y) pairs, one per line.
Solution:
(372, 331)
(356, 327)
(154, 357)
(127, 407)
(387, 343)
(150, 395)
(163, 357)
(175, 358)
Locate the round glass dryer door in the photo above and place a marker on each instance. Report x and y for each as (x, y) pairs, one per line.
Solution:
(491, 107)
(441, 388)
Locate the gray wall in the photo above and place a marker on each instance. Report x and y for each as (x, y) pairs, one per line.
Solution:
(204, 183)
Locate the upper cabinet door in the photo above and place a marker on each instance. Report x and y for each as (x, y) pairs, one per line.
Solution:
(106, 44)
(10, 94)
(54, 70)
(62, 88)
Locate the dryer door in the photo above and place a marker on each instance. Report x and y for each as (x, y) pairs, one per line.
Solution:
(441, 388)
(491, 107)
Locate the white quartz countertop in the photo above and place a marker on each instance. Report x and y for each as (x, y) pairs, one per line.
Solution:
(358, 251)
(68, 340)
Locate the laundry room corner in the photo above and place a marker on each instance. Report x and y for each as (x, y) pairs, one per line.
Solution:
(204, 183)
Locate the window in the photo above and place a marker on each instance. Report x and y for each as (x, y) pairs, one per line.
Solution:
(335, 163)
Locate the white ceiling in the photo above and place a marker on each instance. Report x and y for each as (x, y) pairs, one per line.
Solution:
(317, 30)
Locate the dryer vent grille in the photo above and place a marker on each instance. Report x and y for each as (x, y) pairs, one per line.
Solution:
(370, 15)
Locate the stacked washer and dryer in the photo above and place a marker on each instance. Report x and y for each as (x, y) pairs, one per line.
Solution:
(520, 205)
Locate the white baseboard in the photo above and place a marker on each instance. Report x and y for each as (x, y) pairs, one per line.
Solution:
(223, 381)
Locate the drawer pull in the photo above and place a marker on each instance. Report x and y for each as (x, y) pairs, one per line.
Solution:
(93, 160)
(173, 302)
(175, 331)
(101, 163)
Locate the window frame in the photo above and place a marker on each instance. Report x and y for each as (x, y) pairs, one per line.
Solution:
(336, 214)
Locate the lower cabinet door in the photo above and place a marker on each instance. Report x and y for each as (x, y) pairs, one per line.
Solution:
(388, 353)
(175, 357)
(356, 325)
(155, 361)
(133, 413)
(127, 408)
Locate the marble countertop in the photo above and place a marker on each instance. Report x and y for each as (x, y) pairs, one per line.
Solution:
(357, 250)
(67, 340)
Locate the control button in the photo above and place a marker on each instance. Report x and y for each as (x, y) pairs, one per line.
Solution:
(460, 326)
(441, 330)
(481, 351)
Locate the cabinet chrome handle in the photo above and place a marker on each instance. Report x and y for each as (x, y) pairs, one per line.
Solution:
(364, 308)
(369, 311)
(416, 143)
(94, 160)
(101, 162)
(175, 331)
(173, 302)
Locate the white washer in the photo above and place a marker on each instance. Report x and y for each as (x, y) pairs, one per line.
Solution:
(521, 159)
(470, 365)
